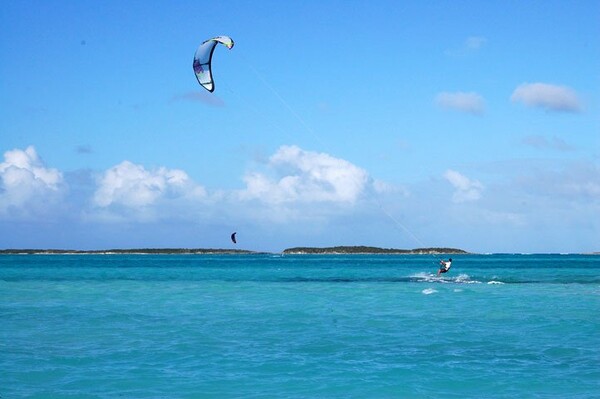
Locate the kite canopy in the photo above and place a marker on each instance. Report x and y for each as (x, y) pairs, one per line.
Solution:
(203, 60)
(233, 238)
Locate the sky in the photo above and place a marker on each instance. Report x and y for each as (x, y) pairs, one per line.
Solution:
(397, 124)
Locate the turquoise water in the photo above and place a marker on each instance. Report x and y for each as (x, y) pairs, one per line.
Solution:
(266, 326)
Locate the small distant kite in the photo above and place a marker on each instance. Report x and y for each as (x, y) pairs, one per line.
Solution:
(233, 238)
(203, 60)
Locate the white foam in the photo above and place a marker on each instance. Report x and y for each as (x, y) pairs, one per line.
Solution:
(434, 278)
(425, 277)
(429, 291)
(495, 282)
(422, 275)
(465, 279)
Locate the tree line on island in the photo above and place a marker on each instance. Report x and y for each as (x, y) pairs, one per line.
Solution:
(371, 250)
(144, 251)
(205, 251)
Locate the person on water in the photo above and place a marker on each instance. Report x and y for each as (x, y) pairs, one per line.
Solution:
(445, 266)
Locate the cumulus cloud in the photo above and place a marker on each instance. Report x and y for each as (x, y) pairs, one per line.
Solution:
(382, 187)
(547, 96)
(133, 186)
(26, 184)
(465, 189)
(284, 187)
(471, 103)
(304, 176)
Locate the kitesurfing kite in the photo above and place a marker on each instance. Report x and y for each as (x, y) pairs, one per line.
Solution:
(203, 60)
(233, 238)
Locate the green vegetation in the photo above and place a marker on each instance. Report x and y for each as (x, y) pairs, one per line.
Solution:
(205, 251)
(148, 251)
(372, 250)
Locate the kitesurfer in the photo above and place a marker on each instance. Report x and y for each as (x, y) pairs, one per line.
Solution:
(445, 266)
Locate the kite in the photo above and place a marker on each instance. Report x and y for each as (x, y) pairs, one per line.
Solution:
(203, 60)
(233, 238)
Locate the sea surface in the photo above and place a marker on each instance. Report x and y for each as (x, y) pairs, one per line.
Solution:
(304, 326)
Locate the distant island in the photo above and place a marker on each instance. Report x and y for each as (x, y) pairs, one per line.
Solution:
(370, 251)
(141, 251)
(204, 251)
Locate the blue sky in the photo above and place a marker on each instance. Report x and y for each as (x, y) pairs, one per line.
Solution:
(465, 124)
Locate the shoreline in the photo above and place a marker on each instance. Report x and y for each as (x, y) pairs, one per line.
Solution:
(343, 250)
(340, 250)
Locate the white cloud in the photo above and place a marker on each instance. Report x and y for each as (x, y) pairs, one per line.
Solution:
(382, 187)
(304, 176)
(475, 42)
(293, 180)
(471, 103)
(26, 184)
(465, 189)
(133, 186)
(299, 198)
(547, 96)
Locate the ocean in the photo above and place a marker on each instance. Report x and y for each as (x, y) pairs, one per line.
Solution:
(302, 326)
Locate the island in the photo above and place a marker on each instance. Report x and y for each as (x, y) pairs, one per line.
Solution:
(340, 250)
(140, 251)
(363, 250)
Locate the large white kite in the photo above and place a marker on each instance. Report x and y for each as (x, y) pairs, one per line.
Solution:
(203, 60)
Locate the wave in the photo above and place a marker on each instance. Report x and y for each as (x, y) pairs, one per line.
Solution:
(415, 278)
(428, 278)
